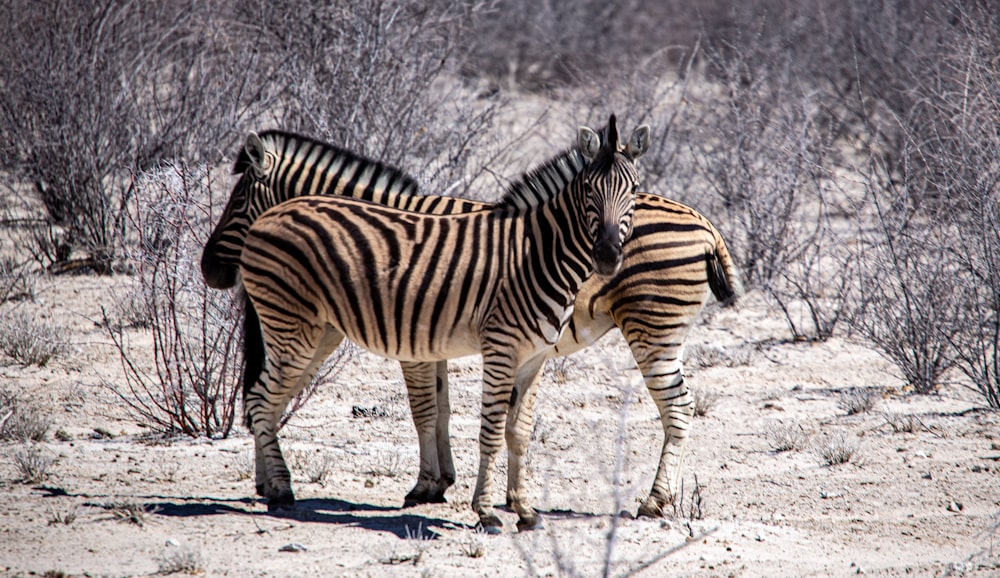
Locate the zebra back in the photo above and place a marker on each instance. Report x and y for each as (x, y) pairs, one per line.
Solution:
(276, 166)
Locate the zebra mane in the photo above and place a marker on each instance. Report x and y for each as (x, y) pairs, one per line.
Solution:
(285, 143)
(544, 181)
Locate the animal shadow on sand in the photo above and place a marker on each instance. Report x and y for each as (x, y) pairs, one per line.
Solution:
(389, 519)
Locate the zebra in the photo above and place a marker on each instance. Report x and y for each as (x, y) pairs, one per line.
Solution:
(675, 258)
(500, 281)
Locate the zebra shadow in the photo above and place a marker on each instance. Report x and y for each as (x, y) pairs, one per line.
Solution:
(387, 519)
(395, 520)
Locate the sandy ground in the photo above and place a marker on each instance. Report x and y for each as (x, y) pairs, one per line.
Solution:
(918, 503)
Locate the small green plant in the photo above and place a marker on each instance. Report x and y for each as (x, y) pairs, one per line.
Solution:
(856, 401)
(838, 449)
(786, 438)
(33, 462)
(28, 340)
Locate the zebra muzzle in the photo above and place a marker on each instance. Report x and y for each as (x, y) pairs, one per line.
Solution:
(608, 253)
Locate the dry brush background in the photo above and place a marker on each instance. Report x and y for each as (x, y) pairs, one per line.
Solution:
(847, 408)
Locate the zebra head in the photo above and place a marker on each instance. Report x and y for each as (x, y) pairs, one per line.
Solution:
(250, 197)
(610, 182)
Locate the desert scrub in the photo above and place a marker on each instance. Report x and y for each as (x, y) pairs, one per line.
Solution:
(785, 437)
(180, 559)
(857, 400)
(20, 419)
(704, 401)
(130, 510)
(28, 340)
(16, 283)
(33, 462)
(839, 448)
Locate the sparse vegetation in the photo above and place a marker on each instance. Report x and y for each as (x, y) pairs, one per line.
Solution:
(473, 543)
(129, 510)
(786, 437)
(191, 387)
(858, 400)
(60, 518)
(21, 419)
(180, 559)
(33, 461)
(387, 463)
(838, 448)
(904, 423)
(704, 400)
(16, 283)
(29, 340)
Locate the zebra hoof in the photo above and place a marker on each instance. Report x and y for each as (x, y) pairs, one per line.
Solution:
(528, 524)
(650, 511)
(281, 504)
(417, 497)
(490, 525)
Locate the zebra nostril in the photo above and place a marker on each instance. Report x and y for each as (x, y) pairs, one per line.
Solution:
(607, 257)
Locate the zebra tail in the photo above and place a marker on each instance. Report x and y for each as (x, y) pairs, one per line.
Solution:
(253, 348)
(723, 278)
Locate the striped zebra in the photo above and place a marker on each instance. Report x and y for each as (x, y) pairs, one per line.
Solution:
(674, 259)
(424, 288)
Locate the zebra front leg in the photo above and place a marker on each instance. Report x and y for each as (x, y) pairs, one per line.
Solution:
(666, 384)
(520, 421)
(498, 385)
(422, 388)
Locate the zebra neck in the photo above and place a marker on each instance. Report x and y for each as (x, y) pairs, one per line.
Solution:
(560, 244)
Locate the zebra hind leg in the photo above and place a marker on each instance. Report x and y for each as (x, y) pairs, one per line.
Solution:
(674, 401)
(422, 388)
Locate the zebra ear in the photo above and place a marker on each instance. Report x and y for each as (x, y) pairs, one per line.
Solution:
(254, 148)
(589, 142)
(638, 143)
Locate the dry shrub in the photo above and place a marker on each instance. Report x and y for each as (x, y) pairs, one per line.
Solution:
(192, 386)
(94, 90)
(33, 462)
(29, 340)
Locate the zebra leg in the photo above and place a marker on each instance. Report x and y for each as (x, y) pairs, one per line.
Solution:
(291, 362)
(498, 387)
(520, 421)
(665, 382)
(445, 460)
(421, 387)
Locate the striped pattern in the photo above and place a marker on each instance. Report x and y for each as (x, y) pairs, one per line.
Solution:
(425, 288)
(673, 260)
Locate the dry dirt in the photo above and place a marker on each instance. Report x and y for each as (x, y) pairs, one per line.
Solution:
(923, 503)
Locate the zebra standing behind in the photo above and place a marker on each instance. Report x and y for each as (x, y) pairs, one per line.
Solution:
(421, 288)
(674, 259)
